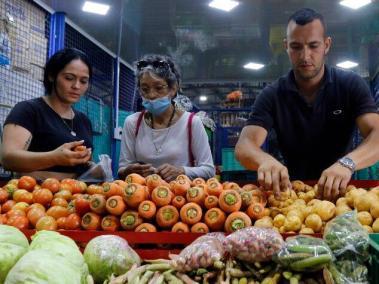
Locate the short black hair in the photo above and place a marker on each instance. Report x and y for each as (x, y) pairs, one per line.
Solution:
(172, 77)
(305, 16)
(58, 62)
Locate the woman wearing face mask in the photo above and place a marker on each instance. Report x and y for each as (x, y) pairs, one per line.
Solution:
(163, 139)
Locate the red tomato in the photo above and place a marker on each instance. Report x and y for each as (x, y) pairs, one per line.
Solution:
(82, 206)
(36, 205)
(52, 184)
(10, 188)
(4, 195)
(64, 193)
(73, 222)
(3, 219)
(34, 215)
(22, 195)
(46, 223)
(26, 182)
(61, 223)
(57, 212)
(20, 222)
(7, 206)
(23, 206)
(15, 212)
(59, 201)
(42, 196)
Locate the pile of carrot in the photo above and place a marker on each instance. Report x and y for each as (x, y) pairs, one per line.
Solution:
(137, 204)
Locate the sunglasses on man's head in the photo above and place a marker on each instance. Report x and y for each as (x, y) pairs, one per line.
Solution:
(158, 64)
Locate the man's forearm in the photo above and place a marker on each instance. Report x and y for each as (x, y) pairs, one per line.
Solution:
(251, 157)
(367, 153)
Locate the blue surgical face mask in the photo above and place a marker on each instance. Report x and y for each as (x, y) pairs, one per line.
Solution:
(156, 106)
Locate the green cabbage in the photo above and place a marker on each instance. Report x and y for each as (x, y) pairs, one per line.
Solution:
(52, 258)
(107, 255)
(41, 266)
(13, 245)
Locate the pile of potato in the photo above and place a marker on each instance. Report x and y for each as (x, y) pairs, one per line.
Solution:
(298, 211)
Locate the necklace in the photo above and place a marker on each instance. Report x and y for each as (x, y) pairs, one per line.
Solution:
(158, 149)
(72, 132)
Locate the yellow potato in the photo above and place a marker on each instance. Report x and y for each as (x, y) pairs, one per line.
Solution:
(306, 231)
(279, 220)
(314, 222)
(313, 202)
(263, 223)
(299, 202)
(375, 226)
(292, 223)
(325, 209)
(298, 185)
(342, 209)
(296, 212)
(374, 210)
(341, 200)
(368, 229)
(362, 202)
(364, 218)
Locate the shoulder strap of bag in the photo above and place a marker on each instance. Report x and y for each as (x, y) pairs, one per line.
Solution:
(189, 127)
(139, 120)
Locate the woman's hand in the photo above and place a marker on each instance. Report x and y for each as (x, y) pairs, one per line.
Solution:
(169, 172)
(141, 169)
(65, 155)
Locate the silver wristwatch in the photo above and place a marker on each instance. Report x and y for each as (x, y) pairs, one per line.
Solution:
(347, 163)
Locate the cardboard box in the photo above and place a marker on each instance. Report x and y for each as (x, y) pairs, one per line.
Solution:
(38, 49)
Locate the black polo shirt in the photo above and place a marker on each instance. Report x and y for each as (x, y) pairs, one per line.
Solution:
(313, 137)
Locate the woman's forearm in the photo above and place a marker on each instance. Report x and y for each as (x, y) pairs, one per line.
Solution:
(26, 161)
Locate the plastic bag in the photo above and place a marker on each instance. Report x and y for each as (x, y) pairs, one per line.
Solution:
(347, 271)
(253, 244)
(203, 252)
(347, 238)
(100, 172)
(304, 253)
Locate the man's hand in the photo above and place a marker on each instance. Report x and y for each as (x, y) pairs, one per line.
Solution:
(169, 172)
(333, 182)
(273, 175)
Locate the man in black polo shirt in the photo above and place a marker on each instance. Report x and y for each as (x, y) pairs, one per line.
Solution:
(314, 110)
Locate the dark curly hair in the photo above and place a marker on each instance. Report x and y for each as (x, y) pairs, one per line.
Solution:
(58, 62)
(171, 74)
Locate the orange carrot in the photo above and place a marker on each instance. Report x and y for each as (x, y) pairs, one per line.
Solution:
(191, 213)
(115, 205)
(230, 201)
(211, 201)
(215, 219)
(152, 181)
(111, 189)
(167, 216)
(200, 228)
(97, 203)
(135, 178)
(110, 223)
(178, 201)
(181, 186)
(134, 194)
(180, 227)
(196, 195)
(247, 198)
(235, 221)
(198, 181)
(130, 220)
(95, 189)
(249, 187)
(91, 221)
(211, 180)
(147, 209)
(231, 185)
(214, 188)
(255, 211)
(146, 227)
(183, 177)
(161, 196)
(120, 183)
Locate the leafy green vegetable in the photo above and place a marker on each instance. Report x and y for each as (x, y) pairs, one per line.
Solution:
(109, 254)
(13, 245)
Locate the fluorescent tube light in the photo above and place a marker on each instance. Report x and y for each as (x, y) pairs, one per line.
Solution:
(355, 4)
(253, 66)
(96, 8)
(347, 64)
(225, 5)
(203, 98)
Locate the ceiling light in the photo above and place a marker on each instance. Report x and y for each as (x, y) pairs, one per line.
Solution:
(225, 5)
(355, 4)
(253, 66)
(97, 8)
(203, 98)
(347, 64)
